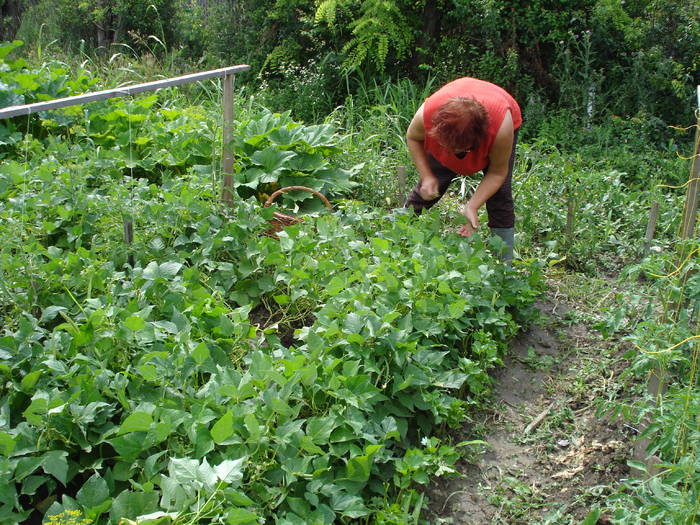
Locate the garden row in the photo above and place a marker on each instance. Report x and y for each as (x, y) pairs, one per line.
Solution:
(227, 376)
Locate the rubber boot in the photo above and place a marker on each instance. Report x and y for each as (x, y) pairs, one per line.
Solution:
(508, 237)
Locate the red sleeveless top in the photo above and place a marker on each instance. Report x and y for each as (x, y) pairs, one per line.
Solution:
(495, 99)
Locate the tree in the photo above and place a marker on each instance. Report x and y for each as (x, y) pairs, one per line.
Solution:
(379, 28)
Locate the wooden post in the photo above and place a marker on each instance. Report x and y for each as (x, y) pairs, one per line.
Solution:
(656, 387)
(690, 209)
(656, 383)
(651, 226)
(129, 240)
(401, 174)
(227, 161)
(569, 229)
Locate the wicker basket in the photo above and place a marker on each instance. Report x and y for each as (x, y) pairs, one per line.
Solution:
(280, 220)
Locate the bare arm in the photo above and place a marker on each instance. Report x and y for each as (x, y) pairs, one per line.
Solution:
(499, 158)
(415, 137)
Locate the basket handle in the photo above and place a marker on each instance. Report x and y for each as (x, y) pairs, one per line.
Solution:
(272, 197)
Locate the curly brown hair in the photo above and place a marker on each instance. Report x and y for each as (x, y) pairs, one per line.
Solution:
(460, 124)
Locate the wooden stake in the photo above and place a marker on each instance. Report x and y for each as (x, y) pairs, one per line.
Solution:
(227, 161)
(401, 174)
(569, 229)
(129, 240)
(656, 387)
(651, 226)
(536, 422)
(690, 209)
(690, 212)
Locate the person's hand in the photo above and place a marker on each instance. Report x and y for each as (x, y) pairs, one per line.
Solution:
(429, 188)
(472, 221)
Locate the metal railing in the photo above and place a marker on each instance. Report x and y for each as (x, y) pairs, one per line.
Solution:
(227, 73)
(28, 109)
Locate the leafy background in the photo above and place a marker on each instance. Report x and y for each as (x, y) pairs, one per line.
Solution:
(209, 373)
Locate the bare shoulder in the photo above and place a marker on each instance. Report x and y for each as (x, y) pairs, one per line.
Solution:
(506, 131)
(503, 142)
(416, 129)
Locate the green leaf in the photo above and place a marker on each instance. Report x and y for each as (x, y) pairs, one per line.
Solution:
(94, 492)
(252, 426)
(239, 498)
(308, 162)
(8, 47)
(281, 299)
(131, 505)
(241, 517)
(271, 159)
(358, 468)
(7, 444)
(355, 338)
(129, 446)
(382, 245)
(456, 308)
(353, 323)
(638, 465)
(8, 97)
(319, 429)
(230, 470)
(184, 470)
(223, 428)
(153, 518)
(592, 517)
(336, 285)
(169, 269)
(299, 506)
(348, 505)
(206, 474)
(166, 270)
(55, 463)
(30, 380)
(136, 422)
(27, 465)
(200, 353)
(135, 323)
(31, 484)
(148, 372)
(50, 312)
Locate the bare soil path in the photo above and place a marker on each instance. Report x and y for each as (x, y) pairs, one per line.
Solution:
(551, 459)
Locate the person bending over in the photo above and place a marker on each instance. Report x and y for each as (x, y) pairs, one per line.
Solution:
(468, 125)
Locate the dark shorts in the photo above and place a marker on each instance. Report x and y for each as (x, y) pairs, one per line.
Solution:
(499, 206)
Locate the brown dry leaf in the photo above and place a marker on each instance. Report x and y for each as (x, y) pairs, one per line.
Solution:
(579, 457)
(567, 474)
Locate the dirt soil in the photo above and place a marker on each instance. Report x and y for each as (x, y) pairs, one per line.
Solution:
(550, 459)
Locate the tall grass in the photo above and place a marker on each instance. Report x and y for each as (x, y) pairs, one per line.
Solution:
(375, 117)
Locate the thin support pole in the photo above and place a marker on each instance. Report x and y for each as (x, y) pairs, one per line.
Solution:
(401, 174)
(569, 228)
(690, 209)
(651, 227)
(690, 212)
(129, 240)
(227, 161)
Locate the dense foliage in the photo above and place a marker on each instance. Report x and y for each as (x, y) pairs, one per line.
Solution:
(208, 372)
(591, 57)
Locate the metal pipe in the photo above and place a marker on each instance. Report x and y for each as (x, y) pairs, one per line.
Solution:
(28, 109)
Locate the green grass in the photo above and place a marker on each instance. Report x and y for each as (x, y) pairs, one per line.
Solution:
(64, 285)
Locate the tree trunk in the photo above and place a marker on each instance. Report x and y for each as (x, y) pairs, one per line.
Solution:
(432, 17)
(105, 27)
(10, 18)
